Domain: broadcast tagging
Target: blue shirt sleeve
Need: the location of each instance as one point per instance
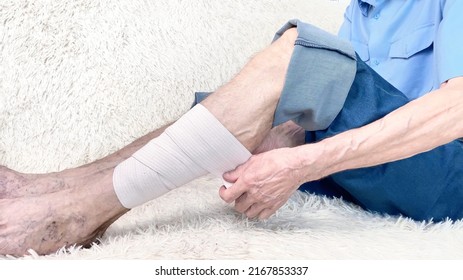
(449, 42)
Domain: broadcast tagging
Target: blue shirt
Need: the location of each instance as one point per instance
(414, 44)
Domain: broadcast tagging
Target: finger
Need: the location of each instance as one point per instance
(221, 193)
(243, 203)
(233, 175)
(255, 210)
(266, 213)
(3, 247)
(232, 193)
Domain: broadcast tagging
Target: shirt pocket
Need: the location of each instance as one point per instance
(414, 42)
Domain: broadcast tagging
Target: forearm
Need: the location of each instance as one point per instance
(419, 126)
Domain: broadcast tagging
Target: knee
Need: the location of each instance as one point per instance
(289, 37)
(290, 34)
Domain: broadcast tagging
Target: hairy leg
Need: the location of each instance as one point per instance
(16, 185)
(254, 93)
(82, 203)
(49, 221)
(45, 212)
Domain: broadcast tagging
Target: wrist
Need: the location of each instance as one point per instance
(321, 159)
(311, 162)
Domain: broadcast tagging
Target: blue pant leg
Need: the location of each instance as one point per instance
(425, 186)
(325, 186)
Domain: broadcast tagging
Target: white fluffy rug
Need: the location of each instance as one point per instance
(81, 78)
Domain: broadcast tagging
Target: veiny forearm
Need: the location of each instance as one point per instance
(419, 126)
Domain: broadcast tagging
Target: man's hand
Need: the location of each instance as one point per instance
(264, 183)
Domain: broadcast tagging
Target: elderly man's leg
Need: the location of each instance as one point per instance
(246, 105)
(303, 76)
(283, 82)
(84, 203)
(14, 184)
(48, 211)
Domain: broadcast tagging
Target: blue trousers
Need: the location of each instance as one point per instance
(424, 187)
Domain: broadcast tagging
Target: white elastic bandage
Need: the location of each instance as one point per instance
(194, 145)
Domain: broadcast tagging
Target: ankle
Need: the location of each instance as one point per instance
(96, 188)
(105, 188)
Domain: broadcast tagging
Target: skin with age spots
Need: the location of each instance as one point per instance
(14, 184)
(76, 215)
(53, 228)
(49, 211)
(81, 209)
(41, 222)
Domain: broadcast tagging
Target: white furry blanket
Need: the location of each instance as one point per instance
(81, 78)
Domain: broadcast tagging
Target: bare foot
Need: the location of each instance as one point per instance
(78, 214)
(46, 212)
(285, 135)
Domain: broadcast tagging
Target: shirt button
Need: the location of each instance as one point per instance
(376, 16)
(376, 62)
